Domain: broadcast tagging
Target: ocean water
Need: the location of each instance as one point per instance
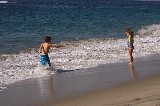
(24, 24)
(92, 32)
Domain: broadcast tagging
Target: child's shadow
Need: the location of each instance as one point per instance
(62, 71)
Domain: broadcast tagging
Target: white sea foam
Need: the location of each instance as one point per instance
(17, 67)
(78, 55)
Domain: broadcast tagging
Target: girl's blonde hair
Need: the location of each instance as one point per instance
(129, 31)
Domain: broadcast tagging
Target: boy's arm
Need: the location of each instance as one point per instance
(57, 45)
(40, 49)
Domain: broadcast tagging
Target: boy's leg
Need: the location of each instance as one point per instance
(49, 63)
(48, 60)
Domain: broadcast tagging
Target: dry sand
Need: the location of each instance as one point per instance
(141, 93)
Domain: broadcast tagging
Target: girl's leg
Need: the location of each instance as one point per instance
(130, 51)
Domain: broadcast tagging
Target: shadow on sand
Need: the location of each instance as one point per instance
(62, 71)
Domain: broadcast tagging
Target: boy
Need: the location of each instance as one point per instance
(44, 50)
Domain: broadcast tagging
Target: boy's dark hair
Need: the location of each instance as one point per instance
(47, 39)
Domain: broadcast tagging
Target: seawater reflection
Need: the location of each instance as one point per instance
(133, 73)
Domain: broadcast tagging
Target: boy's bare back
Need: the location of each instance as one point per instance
(44, 48)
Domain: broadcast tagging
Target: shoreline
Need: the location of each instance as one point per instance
(78, 56)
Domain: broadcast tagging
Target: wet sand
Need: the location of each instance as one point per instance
(107, 85)
(141, 93)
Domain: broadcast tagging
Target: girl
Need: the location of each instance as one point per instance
(130, 42)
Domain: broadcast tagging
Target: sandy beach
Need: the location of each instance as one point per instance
(141, 93)
(118, 84)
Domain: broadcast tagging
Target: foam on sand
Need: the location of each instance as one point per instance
(78, 55)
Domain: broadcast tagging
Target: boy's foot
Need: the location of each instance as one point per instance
(130, 62)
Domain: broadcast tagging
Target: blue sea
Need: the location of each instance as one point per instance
(92, 31)
(24, 23)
